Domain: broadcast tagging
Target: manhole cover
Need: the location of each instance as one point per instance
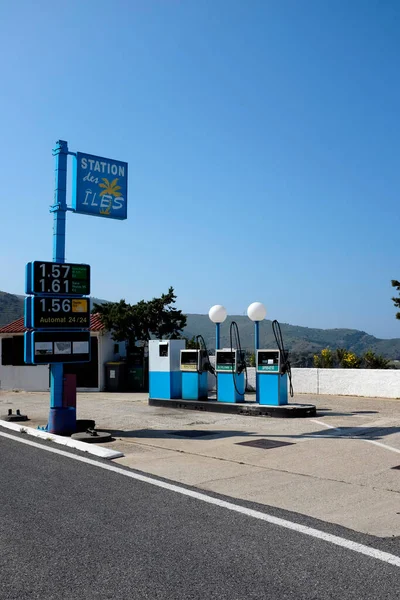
(193, 434)
(266, 444)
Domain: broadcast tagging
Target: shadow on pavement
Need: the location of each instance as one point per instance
(370, 433)
(178, 434)
(327, 412)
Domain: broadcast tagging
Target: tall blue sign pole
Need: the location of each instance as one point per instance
(58, 325)
(59, 210)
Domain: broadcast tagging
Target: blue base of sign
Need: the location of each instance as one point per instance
(62, 421)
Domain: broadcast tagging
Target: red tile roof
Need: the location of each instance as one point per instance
(18, 325)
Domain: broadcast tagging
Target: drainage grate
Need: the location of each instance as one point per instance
(193, 433)
(265, 444)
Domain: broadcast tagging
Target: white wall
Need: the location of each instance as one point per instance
(29, 379)
(306, 381)
(36, 378)
(375, 383)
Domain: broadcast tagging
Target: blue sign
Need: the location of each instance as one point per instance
(44, 348)
(100, 186)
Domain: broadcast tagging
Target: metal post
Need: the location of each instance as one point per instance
(59, 210)
(256, 335)
(217, 336)
(256, 347)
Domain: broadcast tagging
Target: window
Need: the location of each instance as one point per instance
(12, 351)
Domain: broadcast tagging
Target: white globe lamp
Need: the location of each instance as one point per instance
(257, 311)
(217, 313)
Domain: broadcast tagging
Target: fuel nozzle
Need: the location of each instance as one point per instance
(241, 366)
(209, 367)
(285, 366)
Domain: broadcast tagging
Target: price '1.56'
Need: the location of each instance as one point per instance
(56, 305)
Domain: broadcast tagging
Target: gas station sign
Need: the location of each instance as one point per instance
(45, 347)
(57, 315)
(55, 312)
(100, 186)
(57, 278)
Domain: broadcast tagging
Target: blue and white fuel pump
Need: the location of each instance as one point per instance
(194, 369)
(230, 363)
(271, 380)
(165, 378)
(273, 372)
(229, 367)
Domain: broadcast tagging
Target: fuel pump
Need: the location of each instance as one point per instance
(194, 374)
(273, 372)
(230, 367)
(165, 379)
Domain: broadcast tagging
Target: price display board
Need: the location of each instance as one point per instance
(57, 278)
(42, 347)
(55, 312)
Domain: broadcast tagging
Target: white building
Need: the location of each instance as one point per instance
(16, 375)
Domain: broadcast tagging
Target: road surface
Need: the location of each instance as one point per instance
(72, 529)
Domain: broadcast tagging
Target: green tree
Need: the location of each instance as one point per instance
(375, 361)
(396, 301)
(131, 323)
(191, 344)
(340, 354)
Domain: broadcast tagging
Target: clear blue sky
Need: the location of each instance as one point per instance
(262, 139)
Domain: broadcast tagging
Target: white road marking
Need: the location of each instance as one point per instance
(385, 446)
(322, 423)
(346, 435)
(391, 559)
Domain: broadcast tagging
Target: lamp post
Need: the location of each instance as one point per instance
(217, 315)
(256, 312)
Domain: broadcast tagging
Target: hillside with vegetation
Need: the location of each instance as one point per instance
(11, 308)
(302, 342)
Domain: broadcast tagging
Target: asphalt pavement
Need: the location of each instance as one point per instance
(73, 530)
(340, 468)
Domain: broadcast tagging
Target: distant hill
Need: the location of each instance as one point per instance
(12, 307)
(301, 341)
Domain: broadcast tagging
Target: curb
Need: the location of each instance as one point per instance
(64, 441)
(285, 411)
